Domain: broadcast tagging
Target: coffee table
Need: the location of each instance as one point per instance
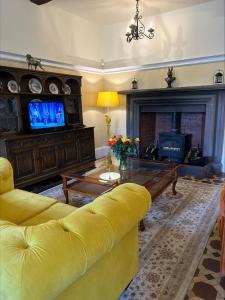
(155, 176)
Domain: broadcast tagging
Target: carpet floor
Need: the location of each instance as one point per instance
(177, 230)
(208, 283)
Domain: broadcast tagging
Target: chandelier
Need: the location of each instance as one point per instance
(137, 29)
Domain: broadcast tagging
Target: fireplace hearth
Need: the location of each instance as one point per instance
(198, 118)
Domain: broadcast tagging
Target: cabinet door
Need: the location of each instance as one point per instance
(47, 157)
(23, 161)
(68, 152)
(86, 145)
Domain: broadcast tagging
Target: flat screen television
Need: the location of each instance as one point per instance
(46, 115)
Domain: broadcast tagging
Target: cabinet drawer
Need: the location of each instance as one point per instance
(18, 144)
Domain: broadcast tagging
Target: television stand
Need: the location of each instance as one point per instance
(39, 156)
(36, 157)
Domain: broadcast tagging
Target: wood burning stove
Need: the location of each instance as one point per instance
(173, 146)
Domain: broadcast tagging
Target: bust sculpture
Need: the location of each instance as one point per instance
(170, 78)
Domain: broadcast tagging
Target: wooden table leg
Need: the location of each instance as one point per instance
(142, 225)
(65, 191)
(174, 183)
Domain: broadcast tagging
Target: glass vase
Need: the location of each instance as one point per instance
(123, 163)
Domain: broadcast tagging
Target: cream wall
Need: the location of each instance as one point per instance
(196, 31)
(48, 32)
(54, 34)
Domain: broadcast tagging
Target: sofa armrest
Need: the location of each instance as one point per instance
(6, 176)
(39, 262)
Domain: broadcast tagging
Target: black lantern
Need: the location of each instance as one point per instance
(134, 84)
(218, 77)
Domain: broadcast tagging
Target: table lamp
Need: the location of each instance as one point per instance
(108, 99)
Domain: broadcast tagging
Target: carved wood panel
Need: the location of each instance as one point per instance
(24, 164)
(47, 158)
(86, 146)
(68, 153)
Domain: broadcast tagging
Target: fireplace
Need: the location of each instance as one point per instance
(174, 146)
(199, 118)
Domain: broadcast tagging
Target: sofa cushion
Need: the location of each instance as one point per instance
(38, 262)
(54, 212)
(6, 176)
(5, 223)
(17, 206)
(105, 221)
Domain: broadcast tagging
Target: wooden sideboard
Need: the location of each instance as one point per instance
(38, 157)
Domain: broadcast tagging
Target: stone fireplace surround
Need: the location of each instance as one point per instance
(209, 100)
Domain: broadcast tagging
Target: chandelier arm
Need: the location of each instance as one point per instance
(137, 30)
(147, 36)
(143, 26)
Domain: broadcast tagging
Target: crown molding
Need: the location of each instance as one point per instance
(175, 63)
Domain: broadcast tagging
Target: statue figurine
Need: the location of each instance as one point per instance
(170, 78)
(32, 61)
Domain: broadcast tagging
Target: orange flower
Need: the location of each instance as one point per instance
(111, 141)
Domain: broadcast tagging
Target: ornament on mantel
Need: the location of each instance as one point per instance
(134, 84)
(170, 78)
(218, 77)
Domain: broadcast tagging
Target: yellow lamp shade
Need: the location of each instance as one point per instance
(108, 99)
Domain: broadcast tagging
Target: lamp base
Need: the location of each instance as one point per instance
(110, 176)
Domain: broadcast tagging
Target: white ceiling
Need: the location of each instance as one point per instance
(115, 11)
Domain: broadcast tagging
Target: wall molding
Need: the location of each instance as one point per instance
(101, 152)
(175, 63)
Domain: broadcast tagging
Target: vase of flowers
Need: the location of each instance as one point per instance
(122, 147)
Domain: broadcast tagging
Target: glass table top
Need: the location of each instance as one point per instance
(139, 171)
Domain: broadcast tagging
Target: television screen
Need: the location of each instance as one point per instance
(46, 114)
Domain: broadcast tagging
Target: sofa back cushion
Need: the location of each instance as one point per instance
(6, 176)
(17, 206)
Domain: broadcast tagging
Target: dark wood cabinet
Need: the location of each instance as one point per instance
(68, 152)
(23, 161)
(38, 156)
(12, 105)
(47, 158)
(85, 153)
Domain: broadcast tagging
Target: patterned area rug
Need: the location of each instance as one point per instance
(208, 283)
(177, 230)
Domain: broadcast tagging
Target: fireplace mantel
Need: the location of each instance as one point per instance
(208, 99)
(216, 87)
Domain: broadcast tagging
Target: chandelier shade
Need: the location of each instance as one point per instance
(137, 29)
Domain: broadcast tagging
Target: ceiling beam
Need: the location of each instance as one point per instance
(40, 2)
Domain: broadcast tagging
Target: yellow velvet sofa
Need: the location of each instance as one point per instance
(50, 250)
